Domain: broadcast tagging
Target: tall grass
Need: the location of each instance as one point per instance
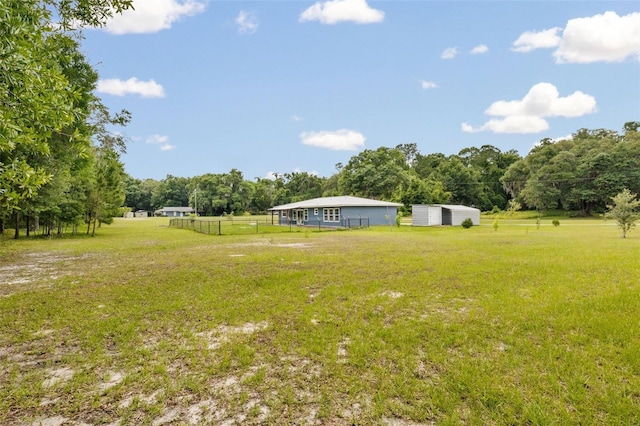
(146, 324)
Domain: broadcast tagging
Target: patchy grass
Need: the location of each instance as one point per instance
(399, 326)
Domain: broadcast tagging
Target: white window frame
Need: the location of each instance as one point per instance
(284, 213)
(331, 214)
(315, 211)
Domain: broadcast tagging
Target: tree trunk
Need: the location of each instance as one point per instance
(16, 235)
(28, 219)
(1, 226)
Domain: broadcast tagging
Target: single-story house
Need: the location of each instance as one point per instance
(443, 214)
(175, 211)
(343, 211)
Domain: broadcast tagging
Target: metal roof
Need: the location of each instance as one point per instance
(176, 209)
(456, 207)
(342, 201)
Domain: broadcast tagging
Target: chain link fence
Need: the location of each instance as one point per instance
(246, 226)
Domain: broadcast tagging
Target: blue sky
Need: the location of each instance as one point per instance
(284, 86)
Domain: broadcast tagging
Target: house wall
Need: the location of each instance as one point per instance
(376, 216)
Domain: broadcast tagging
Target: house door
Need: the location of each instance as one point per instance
(299, 217)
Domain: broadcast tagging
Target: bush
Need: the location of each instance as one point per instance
(555, 222)
(467, 223)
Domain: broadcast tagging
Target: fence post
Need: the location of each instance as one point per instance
(220, 227)
(257, 226)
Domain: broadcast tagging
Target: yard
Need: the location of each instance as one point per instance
(146, 324)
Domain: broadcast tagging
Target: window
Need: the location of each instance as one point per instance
(306, 215)
(284, 213)
(331, 215)
(315, 211)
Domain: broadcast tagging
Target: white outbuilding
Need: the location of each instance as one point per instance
(443, 214)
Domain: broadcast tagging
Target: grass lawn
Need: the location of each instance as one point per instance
(146, 324)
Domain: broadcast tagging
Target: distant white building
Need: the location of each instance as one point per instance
(175, 211)
(443, 214)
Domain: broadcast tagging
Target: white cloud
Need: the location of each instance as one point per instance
(605, 37)
(151, 16)
(335, 11)
(532, 40)
(247, 22)
(600, 38)
(427, 84)
(562, 138)
(296, 118)
(513, 124)
(479, 49)
(161, 140)
(449, 53)
(339, 140)
(132, 86)
(528, 115)
(299, 170)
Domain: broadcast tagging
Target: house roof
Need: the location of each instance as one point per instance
(342, 201)
(451, 207)
(176, 209)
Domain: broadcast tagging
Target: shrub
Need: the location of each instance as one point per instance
(399, 219)
(467, 223)
(555, 222)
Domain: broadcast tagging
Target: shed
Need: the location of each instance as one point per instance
(343, 211)
(174, 211)
(443, 214)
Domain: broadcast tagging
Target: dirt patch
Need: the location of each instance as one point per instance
(400, 422)
(393, 294)
(35, 270)
(224, 333)
(57, 376)
(114, 379)
(342, 350)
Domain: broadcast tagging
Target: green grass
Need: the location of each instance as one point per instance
(384, 325)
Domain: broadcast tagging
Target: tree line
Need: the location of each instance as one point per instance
(59, 164)
(579, 174)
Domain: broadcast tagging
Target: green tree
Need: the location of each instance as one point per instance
(462, 182)
(171, 191)
(374, 173)
(417, 191)
(41, 95)
(625, 211)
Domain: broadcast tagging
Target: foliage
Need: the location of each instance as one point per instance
(467, 223)
(581, 173)
(374, 173)
(625, 210)
(46, 99)
(399, 219)
(555, 222)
